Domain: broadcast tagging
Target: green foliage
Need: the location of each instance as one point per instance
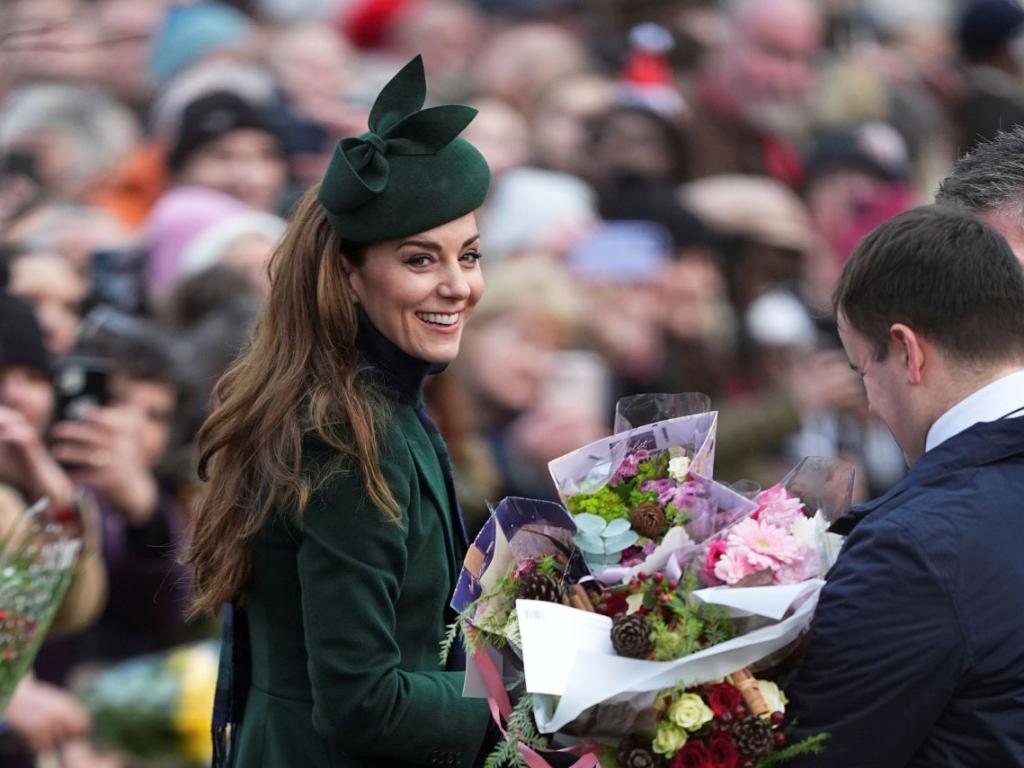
(451, 634)
(548, 566)
(606, 503)
(654, 468)
(812, 745)
(675, 515)
(520, 730)
(638, 497)
(682, 625)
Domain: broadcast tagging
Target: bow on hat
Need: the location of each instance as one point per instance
(359, 170)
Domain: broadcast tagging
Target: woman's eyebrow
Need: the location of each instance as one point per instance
(432, 245)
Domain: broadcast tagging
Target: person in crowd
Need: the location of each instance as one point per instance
(330, 506)
(856, 179)
(73, 135)
(532, 312)
(638, 141)
(226, 143)
(989, 182)
(560, 208)
(914, 658)
(55, 289)
(117, 451)
(752, 96)
(993, 101)
(523, 61)
(559, 126)
(41, 715)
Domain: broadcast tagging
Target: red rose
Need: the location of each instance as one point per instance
(723, 752)
(692, 755)
(723, 698)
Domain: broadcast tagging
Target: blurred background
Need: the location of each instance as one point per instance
(677, 184)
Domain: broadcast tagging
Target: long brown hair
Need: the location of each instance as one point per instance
(299, 373)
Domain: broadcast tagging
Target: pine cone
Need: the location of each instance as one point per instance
(631, 636)
(537, 586)
(648, 520)
(635, 752)
(753, 737)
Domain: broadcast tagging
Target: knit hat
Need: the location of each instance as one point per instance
(21, 338)
(211, 116)
(410, 172)
(189, 31)
(988, 25)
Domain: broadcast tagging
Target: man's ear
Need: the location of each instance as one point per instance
(911, 349)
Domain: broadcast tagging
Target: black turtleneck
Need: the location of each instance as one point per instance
(394, 370)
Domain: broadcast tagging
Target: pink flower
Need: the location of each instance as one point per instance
(777, 507)
(711, 557)
(736, 564)
(769, 546)
(803, 568)
(666, 489)
(629, 466)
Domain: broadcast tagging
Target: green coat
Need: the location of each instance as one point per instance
(345, 615)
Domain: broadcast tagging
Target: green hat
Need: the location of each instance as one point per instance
(410, 172)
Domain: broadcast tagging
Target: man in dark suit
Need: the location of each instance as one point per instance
(916, 654)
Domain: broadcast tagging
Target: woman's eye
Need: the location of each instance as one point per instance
(420, 260)
(472, 256)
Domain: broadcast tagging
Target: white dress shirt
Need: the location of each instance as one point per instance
(1003, 398)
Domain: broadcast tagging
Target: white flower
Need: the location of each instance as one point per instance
(805, 531)
(668, 739)
(678, 468)
(690, 712)
(773, 696)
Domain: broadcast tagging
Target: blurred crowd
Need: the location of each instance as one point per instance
(677, 184)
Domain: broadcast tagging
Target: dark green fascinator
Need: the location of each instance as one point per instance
(410, 172)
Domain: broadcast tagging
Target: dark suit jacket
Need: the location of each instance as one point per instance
(345, 617)
(916, 653)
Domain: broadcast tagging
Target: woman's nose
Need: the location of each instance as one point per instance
(454, 284)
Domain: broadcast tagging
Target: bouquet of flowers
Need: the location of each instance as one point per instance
(157, 707)
(637, 496)
(783, 541)
(38, 552)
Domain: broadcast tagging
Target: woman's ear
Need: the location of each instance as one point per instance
(352, 277)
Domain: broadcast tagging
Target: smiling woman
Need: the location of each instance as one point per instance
(329, 521)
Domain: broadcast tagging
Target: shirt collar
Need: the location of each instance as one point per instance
(997, 400)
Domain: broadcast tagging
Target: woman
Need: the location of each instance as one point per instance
(329, 517)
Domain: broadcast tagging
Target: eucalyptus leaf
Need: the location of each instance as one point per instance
(589, 524)
(616, 528)
(590, 544)
(626, 539)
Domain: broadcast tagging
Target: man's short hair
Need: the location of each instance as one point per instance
(989, 178)
(944, 273)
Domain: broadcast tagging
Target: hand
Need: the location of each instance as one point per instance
(45, 716)
(25, 463)
(105, 446)
(543, 434)
(824, 380)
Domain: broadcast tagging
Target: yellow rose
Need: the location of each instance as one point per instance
(690, 712)
(773, 696)
(669, 739)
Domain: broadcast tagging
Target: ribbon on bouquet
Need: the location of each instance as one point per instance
(501, 710)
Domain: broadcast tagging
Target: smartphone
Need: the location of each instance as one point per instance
(82, 382)
(622, 251)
